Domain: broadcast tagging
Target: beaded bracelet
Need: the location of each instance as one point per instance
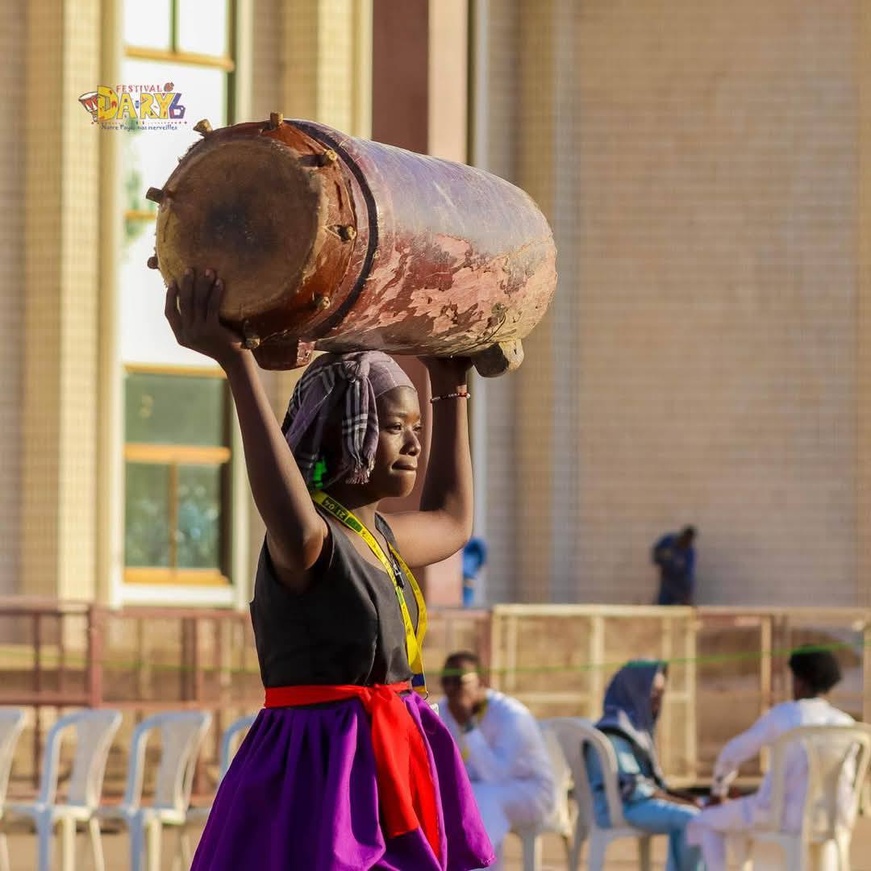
(464, 395)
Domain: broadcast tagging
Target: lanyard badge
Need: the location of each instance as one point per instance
(413, 640)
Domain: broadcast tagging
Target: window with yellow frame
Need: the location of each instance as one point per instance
(177, 476)
(177, 420)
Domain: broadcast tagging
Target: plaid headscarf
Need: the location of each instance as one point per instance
(340, 387)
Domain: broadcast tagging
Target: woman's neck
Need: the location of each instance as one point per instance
(355, 499)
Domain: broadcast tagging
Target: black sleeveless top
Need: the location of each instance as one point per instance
(345, 628)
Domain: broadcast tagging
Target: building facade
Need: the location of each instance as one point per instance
(704, 168)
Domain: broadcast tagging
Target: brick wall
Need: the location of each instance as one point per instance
(713, 290)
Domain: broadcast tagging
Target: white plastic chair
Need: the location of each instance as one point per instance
(573, 734)
(232, 738)
(560, 821)
(181, 736)
(837, 760)
(94, 730)
(11, 724)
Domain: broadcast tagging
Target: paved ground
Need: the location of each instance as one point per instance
(622, 857)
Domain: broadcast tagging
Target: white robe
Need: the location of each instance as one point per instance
(709, 829)
(508, 764)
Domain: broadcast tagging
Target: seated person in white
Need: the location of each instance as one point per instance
(814, 673)
(502, 746)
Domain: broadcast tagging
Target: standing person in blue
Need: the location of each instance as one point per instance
(633, 702)
(474, 560)
(347, 767)
(675, 555)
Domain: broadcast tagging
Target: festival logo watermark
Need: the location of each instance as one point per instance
(135, 107)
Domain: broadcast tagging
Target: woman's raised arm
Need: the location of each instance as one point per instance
(295, 531)
(444, 522)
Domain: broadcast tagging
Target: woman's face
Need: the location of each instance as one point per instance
(399, 429)
(657, 691)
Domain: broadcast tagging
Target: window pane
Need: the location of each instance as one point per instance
(146, 539)
(199, 517)
(175, 410)
(145, 336)
(149, 156)
(147, 27)
(202, 26)
(153, 151)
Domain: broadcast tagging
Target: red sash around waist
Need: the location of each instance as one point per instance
(405, 784)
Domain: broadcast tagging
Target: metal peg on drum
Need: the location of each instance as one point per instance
(152, 262)
(250, 339)
(156, 195)
(276, 119)
(203, 127)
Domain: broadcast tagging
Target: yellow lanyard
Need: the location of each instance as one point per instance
(413, 641)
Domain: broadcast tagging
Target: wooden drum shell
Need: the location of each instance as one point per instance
(406, 253)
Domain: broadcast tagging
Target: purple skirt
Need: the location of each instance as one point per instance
(301, 795)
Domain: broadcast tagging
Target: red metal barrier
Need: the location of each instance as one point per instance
(142, 660)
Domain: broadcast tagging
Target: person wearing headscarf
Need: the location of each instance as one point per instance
(347, 767)
(632, 704)
(814, 673)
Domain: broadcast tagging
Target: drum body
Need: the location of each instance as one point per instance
(334, 243)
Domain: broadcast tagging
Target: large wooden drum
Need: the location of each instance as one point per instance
(334, 243)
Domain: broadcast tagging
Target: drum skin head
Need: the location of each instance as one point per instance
(249, 210)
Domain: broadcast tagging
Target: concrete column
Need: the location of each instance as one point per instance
(400, 73)
(62, 250)
(12, 342)
(534, 381)
(326, 62)
(863, 311)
